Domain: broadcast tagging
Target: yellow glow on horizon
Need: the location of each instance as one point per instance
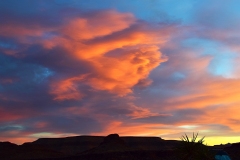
(221, 140)
(210, 141)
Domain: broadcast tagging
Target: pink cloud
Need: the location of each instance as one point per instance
(41, 124)
(9, 116)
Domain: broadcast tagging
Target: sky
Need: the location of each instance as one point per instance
(133, 67)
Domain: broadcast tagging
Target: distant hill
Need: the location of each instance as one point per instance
(96, 148)
(77, 144)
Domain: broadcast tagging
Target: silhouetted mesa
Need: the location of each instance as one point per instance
(111, 143)
(70, 145)
(98, 148)
(113, 139)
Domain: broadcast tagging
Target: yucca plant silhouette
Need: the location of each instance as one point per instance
(193, 149)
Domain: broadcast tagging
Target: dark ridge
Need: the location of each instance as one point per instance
(7, 145)
(70, 145)
(111, 147)
(235, 145)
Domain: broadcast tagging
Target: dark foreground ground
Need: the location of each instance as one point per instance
(100, 148)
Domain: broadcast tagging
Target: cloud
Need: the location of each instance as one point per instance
(110, 48)
(113, 49)
(68, 72)
(82, 68)
(97, 25)
(138, 112)
(190, 93)
(124, 129)
(109, 42)
(9, 116)
(67, 89)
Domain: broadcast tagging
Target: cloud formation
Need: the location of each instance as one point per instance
(116, 43)
(108, 41)
(103, 52)
(67, 70)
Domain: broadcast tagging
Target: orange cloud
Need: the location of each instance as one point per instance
(119, 74)
(138, 112)
(99, 24)
(121, 51)
(67, 89)
(218, 97)
(130, 129)
(138, 129)
(208, 92)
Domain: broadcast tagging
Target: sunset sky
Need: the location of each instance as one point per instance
(133, 67)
